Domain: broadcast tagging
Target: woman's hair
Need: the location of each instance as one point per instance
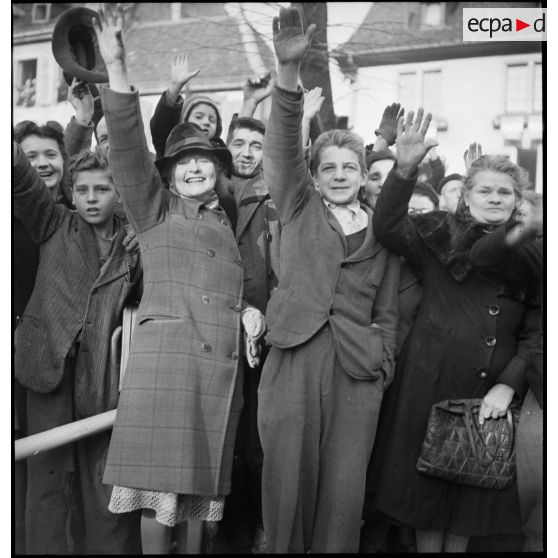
(86, 161)
(51, 130)
(337, 138)
(495, 163)
(498, 163)
(426, 190)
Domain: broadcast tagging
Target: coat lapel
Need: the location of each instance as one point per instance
(85, 240)
(246, 212)
(370, 246)
(119, 262)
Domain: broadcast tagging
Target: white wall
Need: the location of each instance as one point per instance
(473, 94)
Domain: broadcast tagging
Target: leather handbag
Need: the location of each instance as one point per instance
(458, 449)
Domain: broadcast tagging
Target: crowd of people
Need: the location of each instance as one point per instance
(302, 303)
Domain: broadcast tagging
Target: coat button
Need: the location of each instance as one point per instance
(205, 299)
(490, 341)
(237, 308)
(493, 309)
(206, 347)
(211, 253)
(482, 373)
(200, 216)
(239, 263)
(234, 356)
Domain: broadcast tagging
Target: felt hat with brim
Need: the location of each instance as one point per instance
(187, 137)
(75, 48)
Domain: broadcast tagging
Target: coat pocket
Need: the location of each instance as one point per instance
(279, 298)
(158, 318)
(362, 354)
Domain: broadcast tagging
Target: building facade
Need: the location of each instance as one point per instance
(213, 36)
(413, 53)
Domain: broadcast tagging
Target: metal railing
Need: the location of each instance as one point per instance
(74, 431)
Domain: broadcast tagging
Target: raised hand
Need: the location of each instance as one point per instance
(81, 99)
(180, 74)
(313, 101)
(130, 241)
(388, 125)
(289, 41)
(257, 88)
(471, 155)
(109, 30)
(411, 144)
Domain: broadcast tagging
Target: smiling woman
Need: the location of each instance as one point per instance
(44, 147)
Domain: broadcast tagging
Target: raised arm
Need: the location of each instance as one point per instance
(134, 173)
(79, 130)
(32, 202)
(168, 109)
(392, 225)
(386, 133)
(313, 101)
(284, 166)
(255, 90)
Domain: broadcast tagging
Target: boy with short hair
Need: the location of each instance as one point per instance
(63, 354)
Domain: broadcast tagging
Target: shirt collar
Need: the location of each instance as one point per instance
(354, 207)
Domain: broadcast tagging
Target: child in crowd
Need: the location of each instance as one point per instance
(332, 325)
(62, 353)
(172, 109)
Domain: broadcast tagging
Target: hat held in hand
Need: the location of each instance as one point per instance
(75, 48)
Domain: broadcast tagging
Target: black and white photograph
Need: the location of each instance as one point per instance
(278, 278)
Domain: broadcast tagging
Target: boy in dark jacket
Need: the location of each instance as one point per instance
(63, 354)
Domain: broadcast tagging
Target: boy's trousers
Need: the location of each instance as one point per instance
(67, 504)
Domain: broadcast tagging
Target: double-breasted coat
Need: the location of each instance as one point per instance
(182, 392)
(73, 295)
(471, 332)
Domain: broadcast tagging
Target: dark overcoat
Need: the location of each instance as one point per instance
(472, 331)
(178, 408)
(258, 234)
(72, 295)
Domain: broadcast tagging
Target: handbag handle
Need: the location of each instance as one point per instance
(470, 418)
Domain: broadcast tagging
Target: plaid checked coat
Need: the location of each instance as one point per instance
(182, 393)
(71, 294)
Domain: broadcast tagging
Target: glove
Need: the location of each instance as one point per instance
(388, 125)
(253, 322)
(253, 350)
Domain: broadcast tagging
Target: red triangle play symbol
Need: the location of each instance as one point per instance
(519, 25)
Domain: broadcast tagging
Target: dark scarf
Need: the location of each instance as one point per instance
(451, 237)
